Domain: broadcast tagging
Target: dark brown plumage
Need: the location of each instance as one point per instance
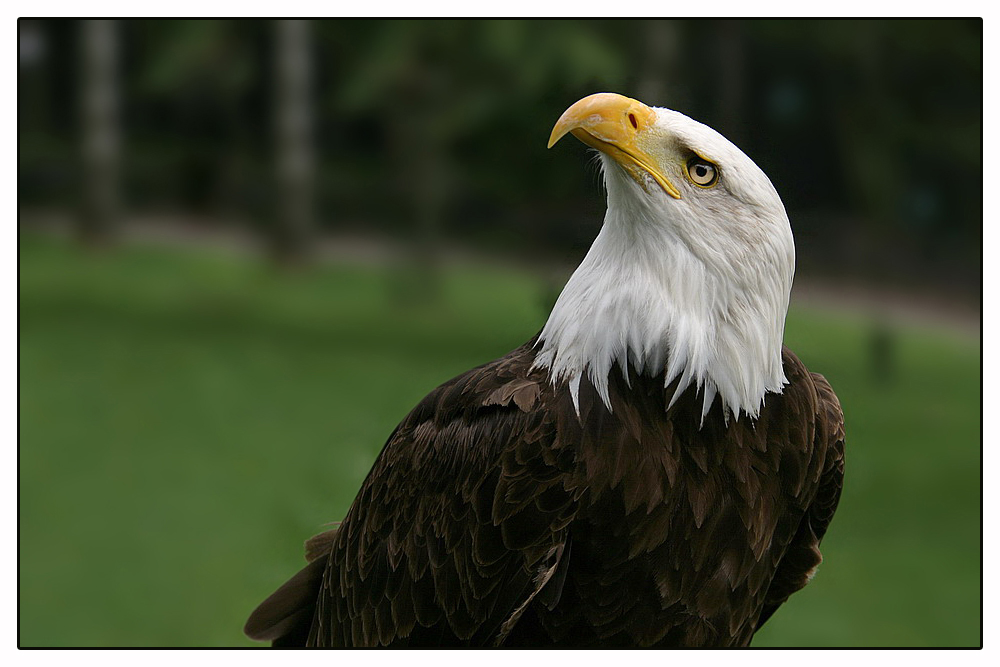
(572, 493)
(495, 516)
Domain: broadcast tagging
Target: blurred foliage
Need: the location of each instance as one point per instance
(434, 84)
(187, 419)
(870, 129)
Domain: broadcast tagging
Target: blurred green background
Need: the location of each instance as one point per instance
(248, 248)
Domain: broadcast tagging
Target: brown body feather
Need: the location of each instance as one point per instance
(495, 515)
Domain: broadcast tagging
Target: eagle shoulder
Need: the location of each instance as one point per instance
(461, 522)
(802, 557)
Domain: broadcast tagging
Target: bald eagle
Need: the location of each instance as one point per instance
(653, 468)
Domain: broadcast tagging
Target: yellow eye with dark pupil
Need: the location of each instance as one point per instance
(702, 172)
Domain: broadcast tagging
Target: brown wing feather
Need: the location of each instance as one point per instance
(803, 556)
(285, 616)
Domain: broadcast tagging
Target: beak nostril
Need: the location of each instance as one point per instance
(635, 121)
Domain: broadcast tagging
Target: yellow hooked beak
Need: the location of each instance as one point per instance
(618, 126)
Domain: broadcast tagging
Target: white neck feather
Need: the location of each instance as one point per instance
(677, 299)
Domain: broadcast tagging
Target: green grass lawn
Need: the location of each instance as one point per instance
(188, 419)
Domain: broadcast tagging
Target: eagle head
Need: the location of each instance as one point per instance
(690, 274)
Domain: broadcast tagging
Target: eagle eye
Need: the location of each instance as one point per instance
(702, 172)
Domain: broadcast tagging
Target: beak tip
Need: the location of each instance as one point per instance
(557, 134)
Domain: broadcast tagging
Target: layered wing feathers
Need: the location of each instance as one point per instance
(459, 525)
(496, 514)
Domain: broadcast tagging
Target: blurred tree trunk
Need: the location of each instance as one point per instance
(732, 73)
(294, 223)
(421, 145)
(100, 200)
(657, 78)
(429, 195)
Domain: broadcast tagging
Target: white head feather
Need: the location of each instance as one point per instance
(695, 287)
